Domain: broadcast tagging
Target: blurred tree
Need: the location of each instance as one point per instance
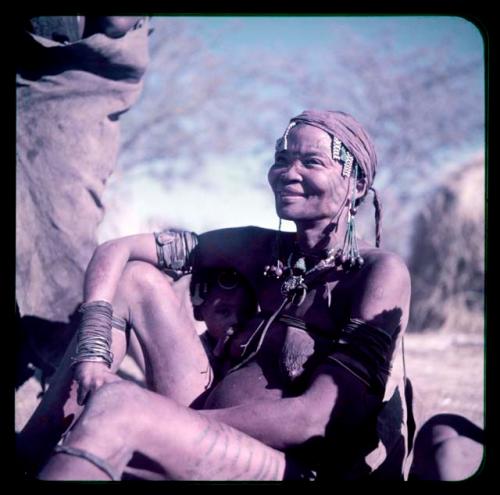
(195, 103)
(418, 104)
(423, 106)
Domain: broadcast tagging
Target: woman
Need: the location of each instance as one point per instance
(307, 382)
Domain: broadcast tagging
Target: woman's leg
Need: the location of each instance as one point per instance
(177, 363)
(57, 410)
(122, 418)
(448, 447)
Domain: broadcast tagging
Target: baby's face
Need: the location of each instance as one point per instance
(223, 309)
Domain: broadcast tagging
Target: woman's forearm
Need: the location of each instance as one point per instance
(104, 271)
(109, 260)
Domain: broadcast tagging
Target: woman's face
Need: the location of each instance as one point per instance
(306, 181)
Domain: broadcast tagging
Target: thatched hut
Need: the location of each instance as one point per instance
(447, 254)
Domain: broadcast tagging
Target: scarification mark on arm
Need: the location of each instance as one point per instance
(268, 467)
(212, 442)
(272, 467)
(238, 440)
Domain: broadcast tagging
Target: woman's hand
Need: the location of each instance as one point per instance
(90, 376)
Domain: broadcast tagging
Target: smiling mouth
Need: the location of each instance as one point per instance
(290, 194)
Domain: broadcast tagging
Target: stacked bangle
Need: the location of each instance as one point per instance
(94, 333)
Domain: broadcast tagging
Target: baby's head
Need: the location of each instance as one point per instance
(223, 299)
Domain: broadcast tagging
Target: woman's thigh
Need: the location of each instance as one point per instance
(160, 312)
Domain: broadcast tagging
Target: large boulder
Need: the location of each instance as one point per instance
(69, 98)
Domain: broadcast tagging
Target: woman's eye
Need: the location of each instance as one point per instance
(312, 163)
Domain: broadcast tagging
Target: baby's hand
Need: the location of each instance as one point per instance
(90, 376)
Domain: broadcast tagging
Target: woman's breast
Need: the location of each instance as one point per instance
(245, 384)
(271, 372)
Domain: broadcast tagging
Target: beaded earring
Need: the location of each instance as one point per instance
(276, 270)
(349, 256)
(198, 299)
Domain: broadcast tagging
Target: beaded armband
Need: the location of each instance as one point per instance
(364, 350)
(175, 250)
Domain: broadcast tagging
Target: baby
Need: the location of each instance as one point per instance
(224, 300)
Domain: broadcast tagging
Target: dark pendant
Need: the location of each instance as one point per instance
(295, 289)
(299, 295)
(291, 284)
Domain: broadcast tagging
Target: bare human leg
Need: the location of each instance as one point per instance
(448, 447)
(122, 418)
(57, 410)
(161, 316)
(177, 363)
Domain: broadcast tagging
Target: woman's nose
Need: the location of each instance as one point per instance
(291, 172)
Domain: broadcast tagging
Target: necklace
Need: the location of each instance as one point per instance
(295, 287)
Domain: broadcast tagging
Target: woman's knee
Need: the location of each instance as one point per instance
(108, 426)
(139, 281)
(112, 405)
(143, 275)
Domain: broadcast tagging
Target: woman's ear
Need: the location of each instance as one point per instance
(361, 187)
(361, 190)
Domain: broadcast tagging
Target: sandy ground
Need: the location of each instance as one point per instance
(447, 371)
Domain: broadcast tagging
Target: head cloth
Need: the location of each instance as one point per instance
(350, 132)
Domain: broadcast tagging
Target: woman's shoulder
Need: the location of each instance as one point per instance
(243, 248)
(381, 290)
(384, 263)
(246, 234)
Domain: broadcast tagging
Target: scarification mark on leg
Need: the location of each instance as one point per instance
(262, 466)
(246, 468)
(238, 441)
(225, 432)
(276, 476)
(202, 436)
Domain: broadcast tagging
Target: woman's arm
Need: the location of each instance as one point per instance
(336, 399)
(109, 260)
(381, 295)
(333, 400)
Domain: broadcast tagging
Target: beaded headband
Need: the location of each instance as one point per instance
(339, 151)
